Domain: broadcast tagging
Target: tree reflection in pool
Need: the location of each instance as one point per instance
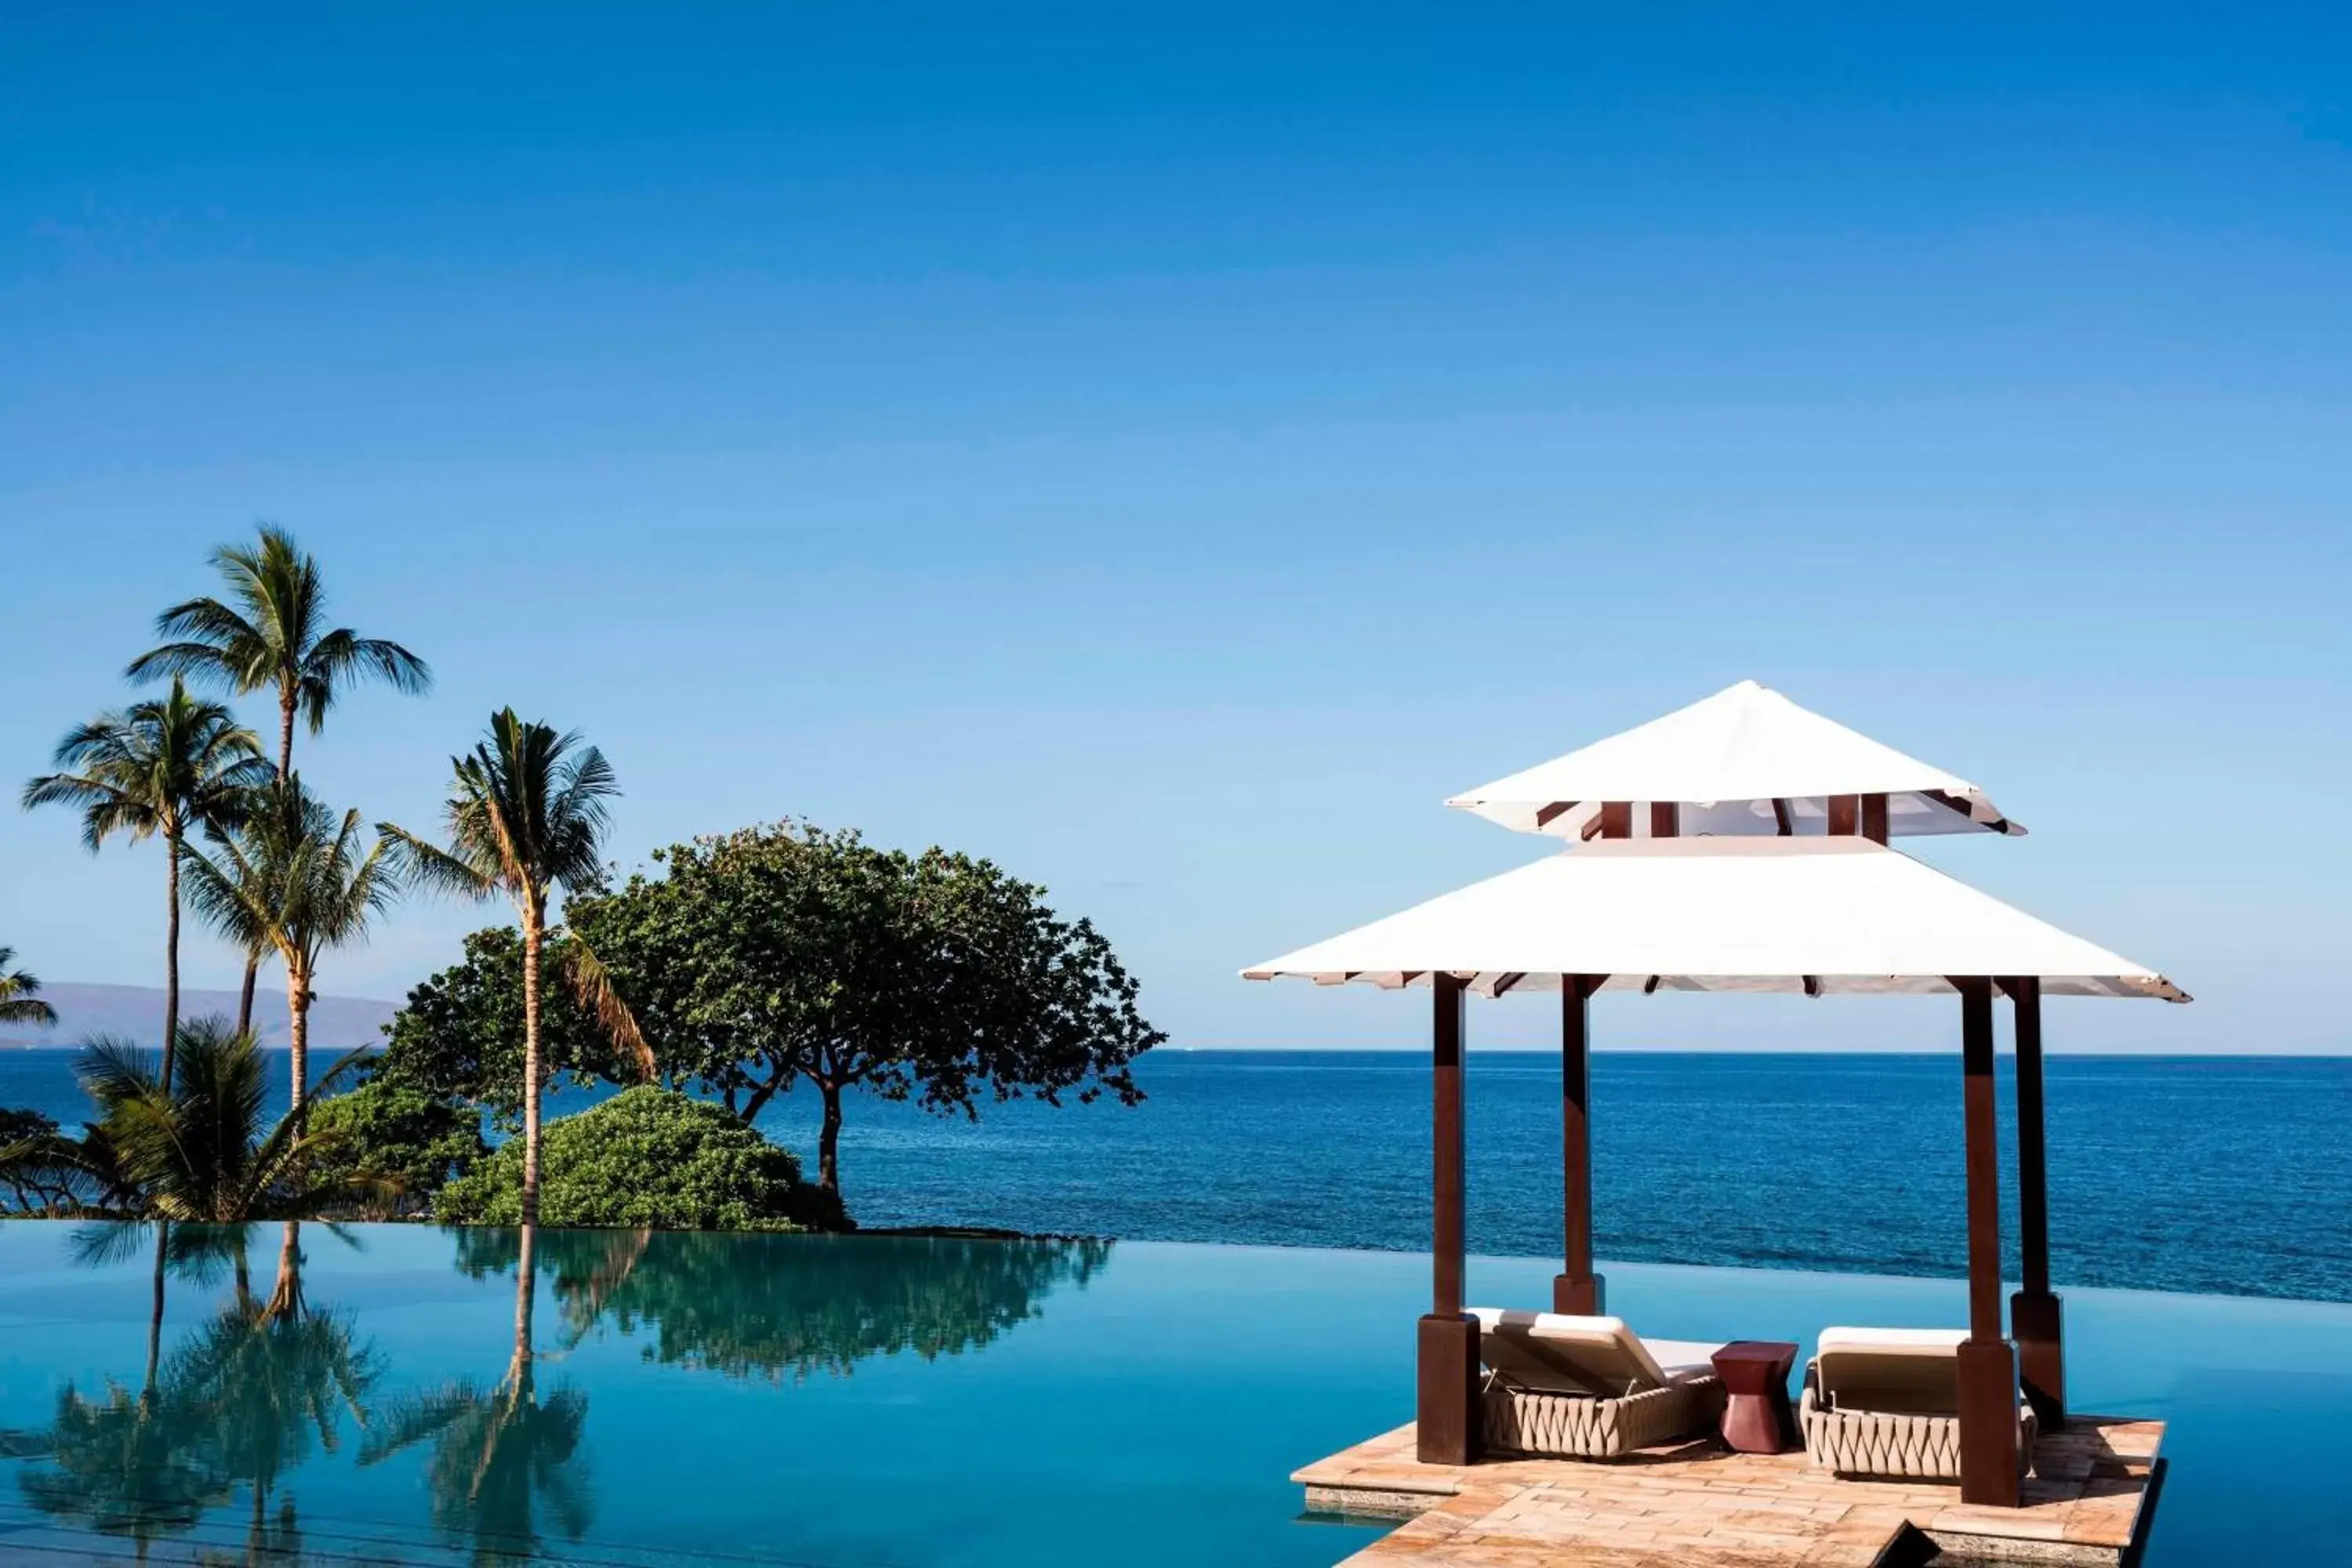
(254, 1385)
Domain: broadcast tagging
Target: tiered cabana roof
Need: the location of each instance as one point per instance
(1826, 917)
(1746, 760)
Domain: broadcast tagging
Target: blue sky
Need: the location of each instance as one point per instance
(1169, 453)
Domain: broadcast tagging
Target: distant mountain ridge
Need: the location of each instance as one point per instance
(135, 1012)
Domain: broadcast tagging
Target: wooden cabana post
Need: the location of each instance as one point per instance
(1446, 1403)
(2035, 1316)
(1988, 1362)
(1576, 1289)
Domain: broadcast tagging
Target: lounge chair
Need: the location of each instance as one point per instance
(1587, 1388)
(1886, 1402)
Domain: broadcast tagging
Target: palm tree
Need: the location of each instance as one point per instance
(527, 815)
(294, 879)
(199, 1151)
(271, 633)
(160, 768)
(20, 995)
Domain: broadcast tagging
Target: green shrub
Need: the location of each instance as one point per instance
(416, 1140)
(647, 1157)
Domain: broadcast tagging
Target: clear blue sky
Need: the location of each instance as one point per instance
(1170, 453)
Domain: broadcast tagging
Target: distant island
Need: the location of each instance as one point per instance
(136, 1012)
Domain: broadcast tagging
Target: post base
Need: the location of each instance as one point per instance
(1445, 1407)
(1579, 1295)
(1989, 1461)
(2037, 1319)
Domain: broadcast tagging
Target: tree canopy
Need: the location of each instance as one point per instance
(786, 953)
(461, 1033)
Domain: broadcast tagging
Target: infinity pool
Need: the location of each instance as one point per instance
(899, 1402)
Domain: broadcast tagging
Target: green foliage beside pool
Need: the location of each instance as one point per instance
(415, 1141)
(648, 1157)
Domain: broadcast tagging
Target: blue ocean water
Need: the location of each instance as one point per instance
(892, 1402)
(2226, 1176)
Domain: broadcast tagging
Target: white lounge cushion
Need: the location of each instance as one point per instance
(1897, 1371)
(1597, 1355)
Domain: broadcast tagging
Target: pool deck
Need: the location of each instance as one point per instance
(1698, 1505)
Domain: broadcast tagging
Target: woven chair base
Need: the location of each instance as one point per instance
(1549, 1426)
(1883, 1444)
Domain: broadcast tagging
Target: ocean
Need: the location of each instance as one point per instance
(2226, 1176)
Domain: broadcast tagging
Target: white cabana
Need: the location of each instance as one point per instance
(1746, 760)
(1823, 916)
(1838, 914)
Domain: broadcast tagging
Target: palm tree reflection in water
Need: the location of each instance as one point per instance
(262, 1386)
(497, 1453)
(240, 1403)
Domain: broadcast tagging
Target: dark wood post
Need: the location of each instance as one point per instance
(2034, 1313)
(1988, 1366)
(1616, 819)
(1665, 819)
(1873, 818)
(1845, 816)
(1447, 1404)
(1576, 1289)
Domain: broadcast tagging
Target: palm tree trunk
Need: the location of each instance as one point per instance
(172, 961)
(284, 730)
(298, 1024)
(526, 1297)
(245, 997)
(285, 766)
(532, 936)
(285, 1296)
(156, 1320)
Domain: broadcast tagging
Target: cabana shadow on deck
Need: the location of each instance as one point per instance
(1695, 1504)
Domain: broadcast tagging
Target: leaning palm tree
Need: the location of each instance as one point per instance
(20, 995)
(271, 633)
(164, 769)
(294, 879)
(526, 814)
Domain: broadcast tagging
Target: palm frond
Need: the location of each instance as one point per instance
(417, 861)
(591, 985)
(111, 1071)
(232, 898)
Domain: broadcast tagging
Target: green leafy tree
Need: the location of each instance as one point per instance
(526, 815)
(787, 953)
(20, 997)
(163, 768)
(295, 879)
(271, 634)
(461, 1033)
(33, 1185)
(648, 1157)
(405, 1140)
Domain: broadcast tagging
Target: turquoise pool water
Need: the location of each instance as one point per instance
(903, 1403)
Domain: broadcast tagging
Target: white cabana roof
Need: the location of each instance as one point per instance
(1828, 915)
(1726, 759)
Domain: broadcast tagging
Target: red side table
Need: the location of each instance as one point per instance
(1755, 1373)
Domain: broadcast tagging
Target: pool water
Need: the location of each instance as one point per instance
(883, 1402)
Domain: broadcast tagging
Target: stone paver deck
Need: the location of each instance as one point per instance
(1698, 1505)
